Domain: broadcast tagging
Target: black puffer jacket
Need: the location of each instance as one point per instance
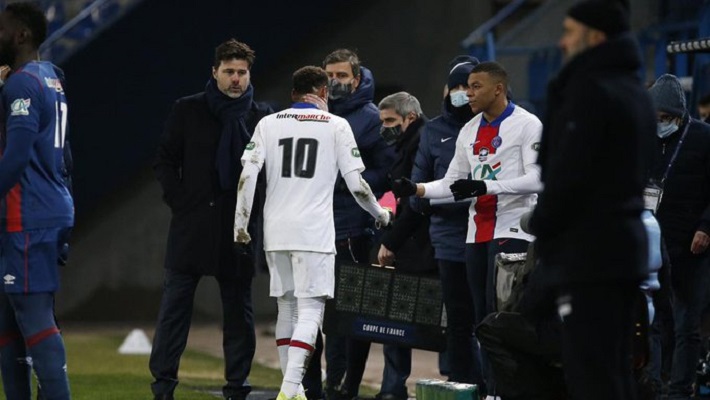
(685, 207)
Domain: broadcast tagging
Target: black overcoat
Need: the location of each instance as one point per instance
(200, 238)
(595, 155)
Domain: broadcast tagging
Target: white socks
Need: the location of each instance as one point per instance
(302, 322)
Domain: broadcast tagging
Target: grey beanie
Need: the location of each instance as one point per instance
(668, 95)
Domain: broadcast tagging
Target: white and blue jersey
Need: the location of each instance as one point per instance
(33, 190)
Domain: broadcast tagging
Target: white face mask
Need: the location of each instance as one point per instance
(459, 98)
(665, 129)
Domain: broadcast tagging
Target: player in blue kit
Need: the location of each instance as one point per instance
(36, 206)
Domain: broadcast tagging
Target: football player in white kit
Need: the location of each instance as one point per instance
(303, 149)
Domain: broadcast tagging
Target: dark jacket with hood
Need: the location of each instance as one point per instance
(437, 144)
(364, 119)
(409, 236)
(594, 159)
(685, 207)
(201, 236)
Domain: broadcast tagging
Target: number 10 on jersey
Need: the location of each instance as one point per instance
(303, 165)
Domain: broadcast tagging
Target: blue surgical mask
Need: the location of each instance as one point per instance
(459, 98)
(665, 129)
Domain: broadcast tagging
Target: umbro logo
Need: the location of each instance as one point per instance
(446, 139)
(9, 279)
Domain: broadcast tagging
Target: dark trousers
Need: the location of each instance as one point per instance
(398, 366)
(525, 359)
(464, 359)
(480, 265)
(690, 282)
(661, 336)
(597, 329)
(173, 326)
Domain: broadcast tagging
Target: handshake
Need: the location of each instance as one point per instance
(385, 220)
(461, 189)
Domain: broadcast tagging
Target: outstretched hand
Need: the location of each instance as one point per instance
(465, 188)
(403, 188)
(385, 220)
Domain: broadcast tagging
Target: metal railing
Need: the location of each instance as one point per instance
(481, 42)
(78, 31)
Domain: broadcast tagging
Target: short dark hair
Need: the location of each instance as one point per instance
(344, 55)
(493, 69)
(32, 17)
(308, 79)
(232, 49)
(705, 100)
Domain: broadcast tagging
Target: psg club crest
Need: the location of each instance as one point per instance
(496, 142)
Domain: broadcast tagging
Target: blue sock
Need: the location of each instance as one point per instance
(50, 364)
(16, 372)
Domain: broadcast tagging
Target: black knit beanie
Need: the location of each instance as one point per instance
(668, 95)
(608, 16)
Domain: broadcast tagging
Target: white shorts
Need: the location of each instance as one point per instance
(307, 273)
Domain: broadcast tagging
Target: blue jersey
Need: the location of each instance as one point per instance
(32, 187)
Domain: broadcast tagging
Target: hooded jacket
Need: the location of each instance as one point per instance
(364, 119)
(449, 222)
(685, 206)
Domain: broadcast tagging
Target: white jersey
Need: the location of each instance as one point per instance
(503, 153)
(303, 149)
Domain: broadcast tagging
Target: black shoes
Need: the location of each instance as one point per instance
(163, 397)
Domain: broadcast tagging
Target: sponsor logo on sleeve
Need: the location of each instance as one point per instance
(355, 152)
(250, 146)
(55, 84)
(20, 107)
(536, 146)
(9, 279)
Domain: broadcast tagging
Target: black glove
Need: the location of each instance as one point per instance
(465, 188)
(403, 188)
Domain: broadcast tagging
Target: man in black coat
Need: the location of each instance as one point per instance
(407, 244)
(594, 155)
(682, 170)
(198, 167)
(402, 119)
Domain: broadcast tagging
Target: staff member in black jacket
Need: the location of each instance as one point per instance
(594, 155)
(402, 122)
(198, 167)
(402, 119)
(682, 170)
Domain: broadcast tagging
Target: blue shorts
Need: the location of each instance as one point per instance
(28, 261)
